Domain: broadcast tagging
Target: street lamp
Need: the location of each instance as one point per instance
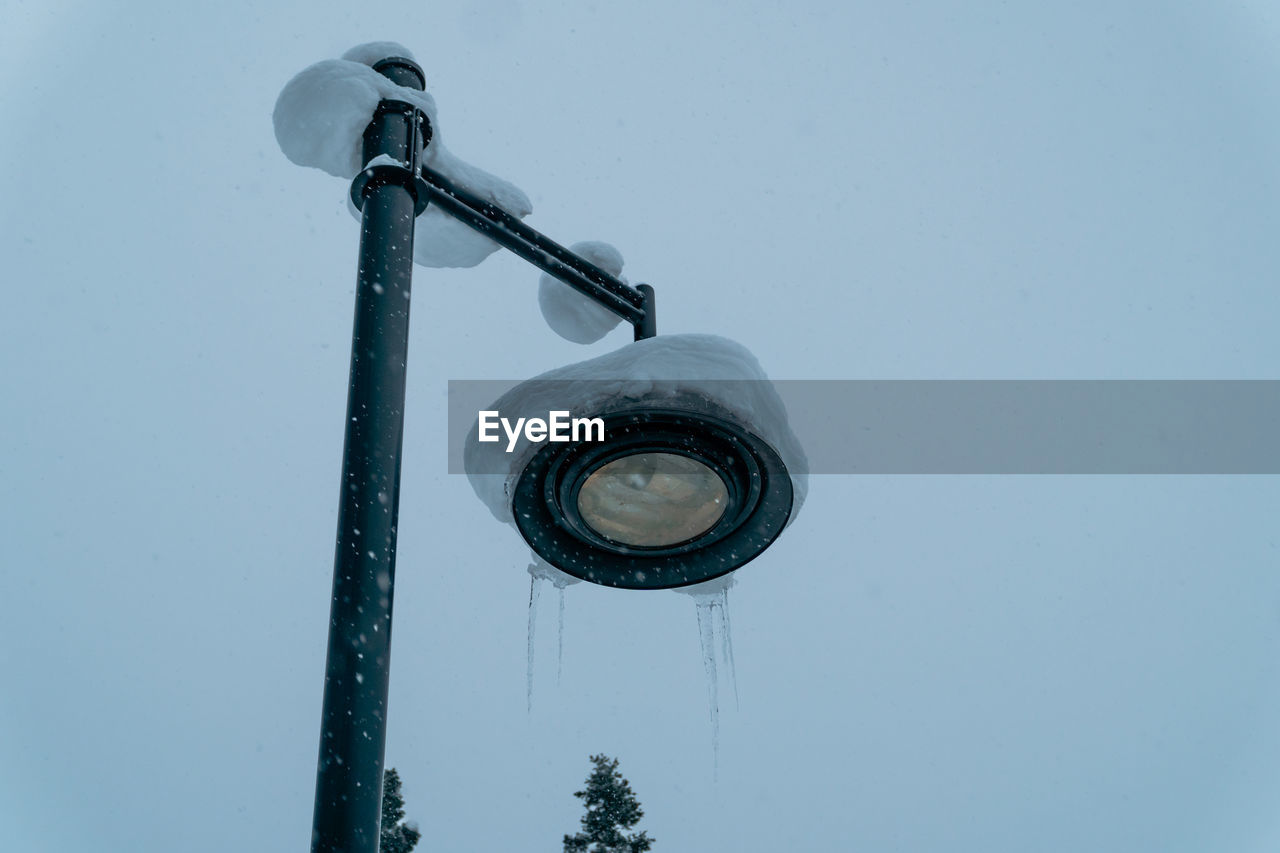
(682, 491)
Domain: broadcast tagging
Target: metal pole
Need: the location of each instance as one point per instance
(348, 805)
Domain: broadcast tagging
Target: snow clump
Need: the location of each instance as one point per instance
(320, 118)
(570, 314)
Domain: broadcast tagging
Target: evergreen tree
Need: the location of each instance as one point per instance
(611, 808)
(397, 837)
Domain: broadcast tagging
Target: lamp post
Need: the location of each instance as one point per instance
(348, 803)
(357, 664)
(740, 501)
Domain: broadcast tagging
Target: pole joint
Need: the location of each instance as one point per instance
(394, 143)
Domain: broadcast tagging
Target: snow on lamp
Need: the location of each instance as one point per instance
(698, 471)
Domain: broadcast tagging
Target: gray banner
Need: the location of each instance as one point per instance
(990, 427)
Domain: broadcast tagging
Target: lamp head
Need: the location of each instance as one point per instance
(677, 494)
(695, 470)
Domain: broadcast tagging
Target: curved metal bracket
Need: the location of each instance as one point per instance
(636, 305)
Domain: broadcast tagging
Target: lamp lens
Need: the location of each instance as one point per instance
(652, 500)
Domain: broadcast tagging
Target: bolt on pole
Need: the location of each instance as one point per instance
(348, 804)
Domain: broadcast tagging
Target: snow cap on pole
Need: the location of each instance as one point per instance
(319, 121)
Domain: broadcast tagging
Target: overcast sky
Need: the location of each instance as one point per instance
(929, 190)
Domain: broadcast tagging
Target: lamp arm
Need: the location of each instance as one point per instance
(633, 304)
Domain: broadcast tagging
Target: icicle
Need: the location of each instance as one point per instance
(560, 636)
(726, 644)
(711, 600)
(707, 636)
(539, 572)
(535, 589)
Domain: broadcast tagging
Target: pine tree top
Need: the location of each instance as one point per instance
(396, 837)
(611, 807)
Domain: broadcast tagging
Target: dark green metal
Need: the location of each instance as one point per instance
(348, 804)
(648, 325)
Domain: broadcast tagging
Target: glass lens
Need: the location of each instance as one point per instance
(652, 500)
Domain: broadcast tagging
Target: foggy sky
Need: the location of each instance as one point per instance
(936, 191)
